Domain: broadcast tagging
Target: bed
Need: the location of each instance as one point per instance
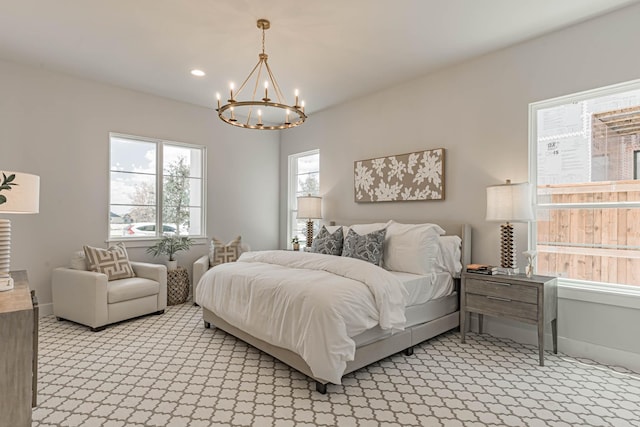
(327, 315)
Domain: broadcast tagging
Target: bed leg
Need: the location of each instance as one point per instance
(408, 351)
(321, 388)
(207, 324)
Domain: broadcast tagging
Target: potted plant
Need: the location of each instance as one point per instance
(169, 245)
(296, 243)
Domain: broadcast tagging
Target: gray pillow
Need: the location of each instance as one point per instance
(367, 248)
(327, 243)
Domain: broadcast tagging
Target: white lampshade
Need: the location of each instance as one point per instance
(23, 195)
(309, 207)
(509, 202)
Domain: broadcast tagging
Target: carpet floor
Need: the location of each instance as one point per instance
(169, 370)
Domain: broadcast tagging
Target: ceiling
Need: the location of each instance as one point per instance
(332, 50)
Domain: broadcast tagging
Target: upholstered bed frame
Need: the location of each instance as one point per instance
(377, 350)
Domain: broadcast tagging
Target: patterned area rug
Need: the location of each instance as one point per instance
(170, 371)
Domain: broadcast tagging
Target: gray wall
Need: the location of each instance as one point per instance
(57, 126)
(478, 111)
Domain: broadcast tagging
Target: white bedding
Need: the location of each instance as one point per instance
(314, 313)
(423, 288)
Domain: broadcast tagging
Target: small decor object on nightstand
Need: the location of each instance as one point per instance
(177, 286)
(170, 245)
(296, 243)
(531, 255)
(482, 269)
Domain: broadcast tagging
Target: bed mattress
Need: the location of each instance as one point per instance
(429, 297)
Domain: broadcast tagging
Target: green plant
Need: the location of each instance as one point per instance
(169, 245)
(295, 240)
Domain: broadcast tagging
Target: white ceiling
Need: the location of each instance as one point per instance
(332, 50)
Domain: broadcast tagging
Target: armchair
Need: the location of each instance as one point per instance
(88, 298)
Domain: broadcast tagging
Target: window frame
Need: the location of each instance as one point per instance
(159, 172)
(576, 288)
(292, 201)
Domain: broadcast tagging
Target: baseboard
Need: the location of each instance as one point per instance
(601, 354)
(526, 334)
(45, 309)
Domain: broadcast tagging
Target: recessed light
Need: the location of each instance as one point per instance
(198, 73)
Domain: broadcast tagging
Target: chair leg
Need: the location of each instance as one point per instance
(408, 351)
(207, 324)
(159, 312)
(99, 328)
(59, 319)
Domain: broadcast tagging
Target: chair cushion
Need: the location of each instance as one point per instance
(131, 288)
(114, 262)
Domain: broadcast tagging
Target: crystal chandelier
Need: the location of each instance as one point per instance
(261, 113)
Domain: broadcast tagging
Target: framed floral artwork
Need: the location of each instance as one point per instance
(412, 176)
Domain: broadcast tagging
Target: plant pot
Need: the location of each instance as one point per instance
(296, 246)
(172, 265)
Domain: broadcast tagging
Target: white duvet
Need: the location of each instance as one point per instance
(311, 304)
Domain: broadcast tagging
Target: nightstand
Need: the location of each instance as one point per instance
(531, 300)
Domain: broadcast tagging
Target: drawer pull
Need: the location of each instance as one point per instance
(500, 299)
(499, 283)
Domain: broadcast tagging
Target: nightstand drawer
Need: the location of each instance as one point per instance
(488, 287)
(502, 306)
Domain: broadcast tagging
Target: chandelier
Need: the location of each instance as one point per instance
(261, 113)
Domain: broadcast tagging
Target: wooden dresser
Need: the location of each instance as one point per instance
(531, 300)
(18, 352)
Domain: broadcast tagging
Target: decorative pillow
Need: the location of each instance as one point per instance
(327, 243)
(78, 261)
(367, 248)
(412, 248)
(219, 253)
(114, 262)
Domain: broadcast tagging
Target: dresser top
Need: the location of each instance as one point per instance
(522, 278)
(19, 298)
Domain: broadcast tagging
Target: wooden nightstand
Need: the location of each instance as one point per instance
(531, 300)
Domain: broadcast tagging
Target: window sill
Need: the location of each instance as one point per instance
(609, 294)
(145, 242)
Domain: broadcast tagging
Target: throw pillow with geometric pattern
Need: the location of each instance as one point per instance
(220, 253)
(327, 243)
(367, 248)
(114, 262)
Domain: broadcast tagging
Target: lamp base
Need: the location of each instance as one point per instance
(6, 284)
(309, 233)
(508, 249)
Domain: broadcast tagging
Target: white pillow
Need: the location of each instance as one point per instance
(78, 261)
(412, 248)
(448, 259)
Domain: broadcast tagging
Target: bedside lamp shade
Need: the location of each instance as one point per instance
(309, 208)
(510, 203)
(19, 194)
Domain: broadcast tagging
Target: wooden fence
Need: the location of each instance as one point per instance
(586, 241)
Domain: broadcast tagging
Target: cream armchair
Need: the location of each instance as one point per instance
(88, 298)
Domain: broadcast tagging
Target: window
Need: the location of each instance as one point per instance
(155, 185)
(584, 162)
(304, 178)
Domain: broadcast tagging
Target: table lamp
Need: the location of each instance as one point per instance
(510, 203)
(309, 208)
(19, 194)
